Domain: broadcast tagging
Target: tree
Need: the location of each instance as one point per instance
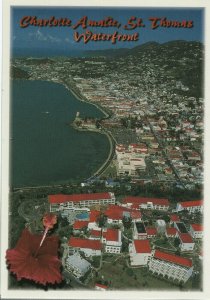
(102, 220)
(166, 218)
(125, 244)
(176, 242)
(127, 222)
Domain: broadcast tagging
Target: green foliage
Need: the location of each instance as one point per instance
(129, 272)
(101, 220)
(127, 222)
(176, 242)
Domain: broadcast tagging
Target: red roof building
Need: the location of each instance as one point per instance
(111, 234)
(80, 224)
(94, 215)
(147, 203)
(172, 266)
(197, 227)
(151, 232)
(191, 206)
(95, 233)
(88, 246)
(112, 240)
(171, 232)
(196, 231)
(186, 242)
(140, 252)
(115, 214)
(192, 203)
(174, 259)
(142, 246)
(65, 202)
(101, 287)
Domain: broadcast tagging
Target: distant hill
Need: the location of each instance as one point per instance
(107, 52)
(181, 60)
(38, 61)
(17, 73)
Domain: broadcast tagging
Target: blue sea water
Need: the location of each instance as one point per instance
(43, 148)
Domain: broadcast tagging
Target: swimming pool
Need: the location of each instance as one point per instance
(82, 216)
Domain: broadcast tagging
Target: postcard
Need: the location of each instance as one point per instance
(104, 136)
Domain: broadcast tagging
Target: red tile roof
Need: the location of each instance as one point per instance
(197, 227)
(96, 233)
(80, 224)
(84, 243)
(142, 246)
(111, 235)
(115, 212)
(171, 231)
(174, 218)
(141, 200)
(60, 198)
(151, 231)
(185, 237)
(178, 260)
(102, 286)
(135, 215)
(191, 203)
(94, 214)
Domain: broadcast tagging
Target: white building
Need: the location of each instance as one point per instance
(140, 252)
(112, 240)
(171, 266)
(186, 242)
(88, 246)
(62, 202)
(161, 226)
(190, 206)
(77, 265)
(130, 160)
(196, 231)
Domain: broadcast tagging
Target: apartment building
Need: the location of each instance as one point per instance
(171, 266)
(62, 202)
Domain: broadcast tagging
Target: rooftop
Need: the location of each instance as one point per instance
(171, 231)
(142, 200)
(186, 262)
(60, 198)
(142, 246)
(84, 243)
(197, 227)
(185, 237)
(191, 203)
(80, 224)
(77, 261)
(111, 234)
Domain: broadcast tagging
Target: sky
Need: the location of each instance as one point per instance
(54, 39)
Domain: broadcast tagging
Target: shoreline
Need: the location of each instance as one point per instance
(79, 97)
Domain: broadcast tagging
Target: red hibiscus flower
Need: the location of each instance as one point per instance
(31, 260)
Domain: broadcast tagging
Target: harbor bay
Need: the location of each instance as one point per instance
(44, 149)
